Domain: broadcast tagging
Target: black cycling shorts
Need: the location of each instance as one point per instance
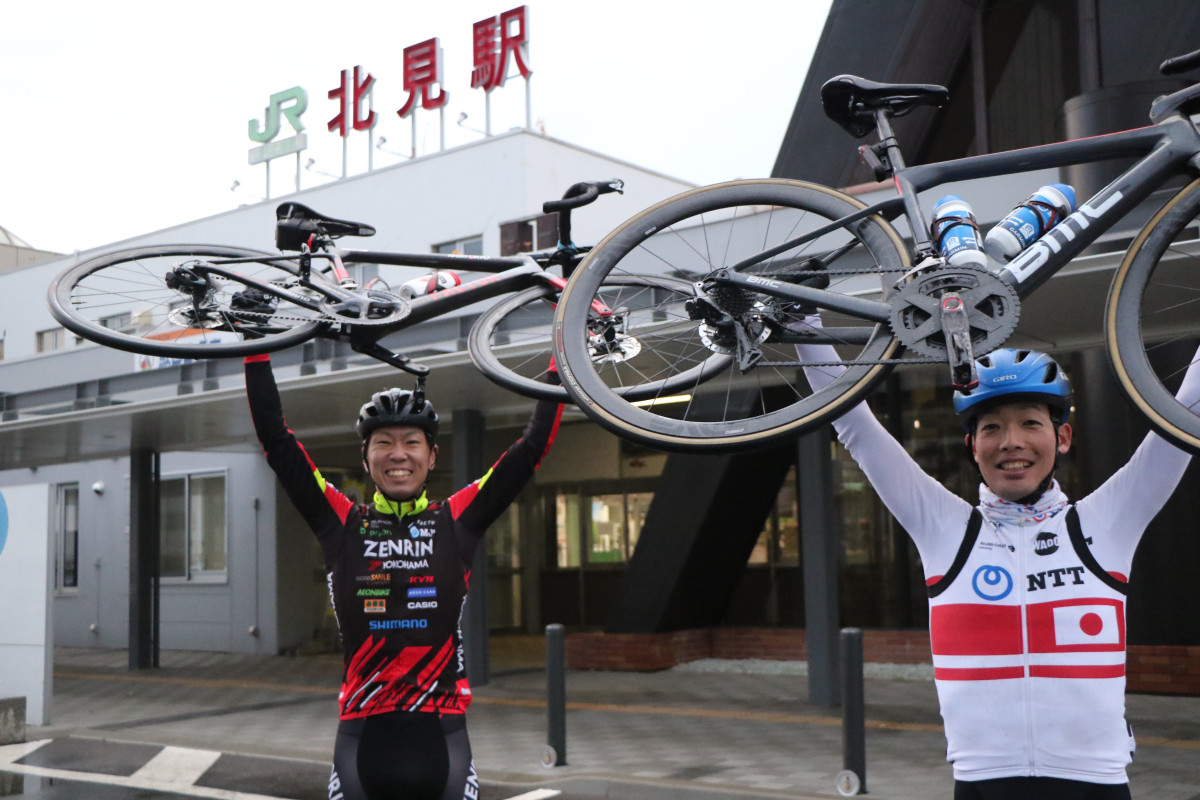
(406, 755)
(1039, 789)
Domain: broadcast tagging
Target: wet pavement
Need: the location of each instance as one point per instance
(233, 726)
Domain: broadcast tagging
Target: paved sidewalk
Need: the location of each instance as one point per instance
(676, 733)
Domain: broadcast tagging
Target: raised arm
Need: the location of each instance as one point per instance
(477, 506)
(321, 505)
(1135, 493)
(922, 506)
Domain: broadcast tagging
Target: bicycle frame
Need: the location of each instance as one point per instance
(1163, 150)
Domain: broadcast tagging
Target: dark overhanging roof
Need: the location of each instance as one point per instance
(883, 40)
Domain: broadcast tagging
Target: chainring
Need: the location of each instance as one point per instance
(993, 309)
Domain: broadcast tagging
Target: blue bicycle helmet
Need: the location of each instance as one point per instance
(1012, 375)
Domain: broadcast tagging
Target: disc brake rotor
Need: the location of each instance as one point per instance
(993, 309)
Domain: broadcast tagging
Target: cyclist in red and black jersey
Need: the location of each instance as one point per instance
(398, 569)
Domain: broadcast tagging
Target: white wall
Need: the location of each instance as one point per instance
(25, 624)
(444, 196)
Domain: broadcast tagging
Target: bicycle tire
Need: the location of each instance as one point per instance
(690, 236)
(511, 343)
(1150, 316)
(120, 299)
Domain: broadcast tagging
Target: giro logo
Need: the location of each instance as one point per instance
(992, 583)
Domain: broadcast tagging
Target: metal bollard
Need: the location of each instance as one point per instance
(852, 779)
(555, 754)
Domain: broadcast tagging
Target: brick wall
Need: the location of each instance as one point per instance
(1154, 669)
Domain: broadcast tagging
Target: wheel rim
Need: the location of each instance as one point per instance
(513, 343)
(122, 300)
(1151, 317)
(686, 239)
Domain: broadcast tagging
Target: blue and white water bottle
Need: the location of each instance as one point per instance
(1029, 221)
(955, 232)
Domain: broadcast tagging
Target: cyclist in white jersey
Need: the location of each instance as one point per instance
(1026, 589)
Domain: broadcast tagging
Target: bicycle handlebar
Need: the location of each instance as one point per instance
(1178, 64)
(581, 194)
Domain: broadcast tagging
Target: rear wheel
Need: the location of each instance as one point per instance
(1151, 317)
(742, 342)
(163, 301)
(511, 342)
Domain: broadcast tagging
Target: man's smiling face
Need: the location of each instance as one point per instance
(398, 459)
(1015, 445)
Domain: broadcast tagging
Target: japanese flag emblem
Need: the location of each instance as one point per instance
(1086, 624)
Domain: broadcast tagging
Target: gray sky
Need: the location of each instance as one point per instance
(124, 117)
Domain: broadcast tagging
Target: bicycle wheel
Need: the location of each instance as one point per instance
(122, 300)
(758, 393)
(511, 342)
(1151, 316)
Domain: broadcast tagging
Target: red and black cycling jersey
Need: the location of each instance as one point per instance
(397, 572)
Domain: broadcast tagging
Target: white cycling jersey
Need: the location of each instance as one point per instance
(1026, 620)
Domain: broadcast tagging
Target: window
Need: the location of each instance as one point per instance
(779, 542)
(599, 528)
(471, 246)
(66, 537)
(192, 525)
(51, 340)
(527, 235)
(117, 322)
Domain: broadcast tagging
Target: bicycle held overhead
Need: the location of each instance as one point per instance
(766, 258)
(213, 301)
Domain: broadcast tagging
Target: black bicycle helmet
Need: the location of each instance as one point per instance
(1009, 374)
(396, 407)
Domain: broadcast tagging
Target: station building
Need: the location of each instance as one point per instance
(610, 537)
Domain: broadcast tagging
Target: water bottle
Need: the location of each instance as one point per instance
(1026, 223)
(433, 282)
(955, 232)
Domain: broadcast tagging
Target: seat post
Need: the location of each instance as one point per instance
(912, 204)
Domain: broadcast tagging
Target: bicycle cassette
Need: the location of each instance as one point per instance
(993, 309)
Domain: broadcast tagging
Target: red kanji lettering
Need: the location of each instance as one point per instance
(483, 37)
(350, 96)
(422, 70)
(493, 40)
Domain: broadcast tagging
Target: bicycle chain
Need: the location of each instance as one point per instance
(402, 309)
(854, 363)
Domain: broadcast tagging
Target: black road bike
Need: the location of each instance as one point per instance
(763, 256)
(212, 301)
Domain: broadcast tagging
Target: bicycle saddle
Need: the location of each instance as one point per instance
(295, 223)
(851, 101)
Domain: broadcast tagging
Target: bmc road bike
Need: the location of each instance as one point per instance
(212, 301)
(766, 258)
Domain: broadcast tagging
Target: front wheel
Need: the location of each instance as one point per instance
(1151, 317)
(163, 301)
(741, 340)
(511, 342)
